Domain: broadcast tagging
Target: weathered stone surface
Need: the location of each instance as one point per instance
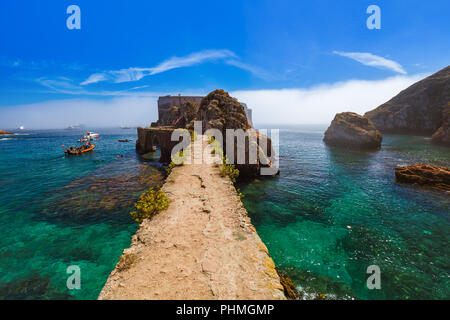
(184, 253)
(442, 135)
(418, 109)
(220, 111)
(424, 175)
(350, 130)
(168, 102)
(5, 132)
(188, 114)
(160, 136)
(145, 141)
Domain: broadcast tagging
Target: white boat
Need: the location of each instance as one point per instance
(89, 136)
(21, 128)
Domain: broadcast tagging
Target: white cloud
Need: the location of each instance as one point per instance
(192, 59)
(318, 105)
(372, 60)
(254, 70)
(94, 78)
(196, 58)
(64, 85)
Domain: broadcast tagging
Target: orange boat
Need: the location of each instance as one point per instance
(77, 151)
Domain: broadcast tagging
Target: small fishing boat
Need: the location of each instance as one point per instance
(79, 150)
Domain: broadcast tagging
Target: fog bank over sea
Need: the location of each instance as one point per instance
(317, 104)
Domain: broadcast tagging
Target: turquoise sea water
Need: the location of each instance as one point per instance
(332, 213)
(57, 211)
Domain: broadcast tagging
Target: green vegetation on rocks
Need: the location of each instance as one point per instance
(230, 170)
(150, 203)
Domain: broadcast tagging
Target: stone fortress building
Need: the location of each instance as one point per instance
(165, 103)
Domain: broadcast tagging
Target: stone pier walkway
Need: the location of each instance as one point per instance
(202, 247)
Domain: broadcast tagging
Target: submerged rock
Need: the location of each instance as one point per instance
(442, 135)
(418, 109)
(313, 286)
(425, 175)
(290, 291)
(350, 130)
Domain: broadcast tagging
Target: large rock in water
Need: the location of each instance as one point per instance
(350, 130)
(424, 175)
(5, 132)
(442, 135)
(417, 109)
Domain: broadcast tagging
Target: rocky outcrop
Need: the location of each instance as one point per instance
(350, 130)
(5, 132)
(166, 103)
(188, 115)
(418, 109)
(442, 135)
(261, 146)
(424, 175)
(219, 110)
(180, 116)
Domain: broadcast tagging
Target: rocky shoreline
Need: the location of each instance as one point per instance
(202, 247)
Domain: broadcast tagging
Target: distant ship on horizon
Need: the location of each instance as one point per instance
(73, 127)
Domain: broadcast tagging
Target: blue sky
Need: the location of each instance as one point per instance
(131, 51)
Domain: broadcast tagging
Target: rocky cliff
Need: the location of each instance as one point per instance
(417, 109)
(442, 135)
(350, 130)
